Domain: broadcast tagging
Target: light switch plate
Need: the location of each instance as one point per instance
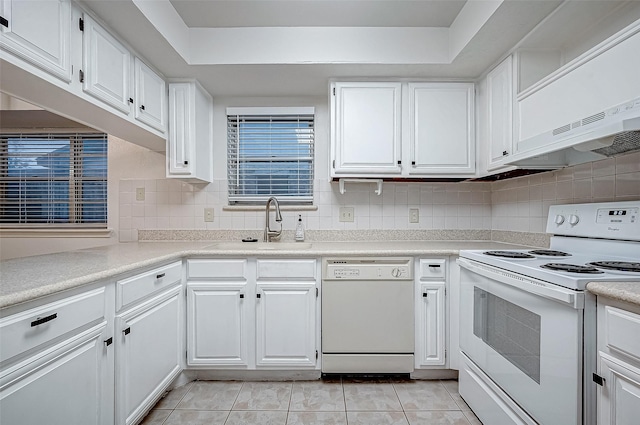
(140, 194)
(208, 214)
(346, 214)
(414, 215)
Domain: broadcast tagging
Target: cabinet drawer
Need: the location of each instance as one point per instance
(139, 286)
(216, 269)
(430, 269)
(621, 331)
(286, 269)
(24, 331)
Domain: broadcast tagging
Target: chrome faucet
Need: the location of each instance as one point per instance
(268, 233)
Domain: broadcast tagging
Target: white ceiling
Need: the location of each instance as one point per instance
(261, 48)
(317, 13)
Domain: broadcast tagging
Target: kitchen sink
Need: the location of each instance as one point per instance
(273, 246)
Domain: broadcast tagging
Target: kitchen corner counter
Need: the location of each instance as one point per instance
(29, 278)
(621, 291)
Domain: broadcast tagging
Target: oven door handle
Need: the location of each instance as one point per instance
(534, 286)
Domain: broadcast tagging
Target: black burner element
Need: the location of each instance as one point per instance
(549, 253)
(509, 254)
(573, 268)
(623, 266)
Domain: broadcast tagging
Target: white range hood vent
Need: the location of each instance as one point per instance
(608, 133)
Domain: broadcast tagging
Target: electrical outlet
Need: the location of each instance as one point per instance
(208, 214)
(140, 194)
(346, 214)
(414, 215)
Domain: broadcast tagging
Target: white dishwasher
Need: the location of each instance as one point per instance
(368, 315)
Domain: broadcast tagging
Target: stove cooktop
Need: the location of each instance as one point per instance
(571, 270)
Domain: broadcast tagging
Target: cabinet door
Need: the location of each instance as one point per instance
(441, 128)
(367, 129)
(148, 354)
(217, 324)
(430, 329)
(181, 130)
(107, 66)
(39, 32)
(619, 397)
(500, 110)
(151, 96)
(71, 383)
(286, 324)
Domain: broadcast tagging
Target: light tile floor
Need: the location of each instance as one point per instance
(328, 402)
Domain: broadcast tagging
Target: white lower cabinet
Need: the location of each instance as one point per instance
(618, 363)
(286, 324)
(217, 324)
(430, 344)
(430, 348)
(69, 384)
(57, 362)
(148, 353)
(252, 314)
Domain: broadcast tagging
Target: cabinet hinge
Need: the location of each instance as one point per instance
(334, 91)
(81, 24)
(316, 292)
(4, 22)
(186, 355)
(316, 354)
(81, 75)
(334, 163)
(598, 379)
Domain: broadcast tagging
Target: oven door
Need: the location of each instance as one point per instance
(526, 336)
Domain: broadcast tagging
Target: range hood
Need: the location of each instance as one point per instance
(608, 133)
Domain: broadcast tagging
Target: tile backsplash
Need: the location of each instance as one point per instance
(522, 204)
(519, 204)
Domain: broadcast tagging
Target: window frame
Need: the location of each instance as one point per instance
(236, 198)
(77, 159)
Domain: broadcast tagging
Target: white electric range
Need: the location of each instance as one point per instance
(528, 340)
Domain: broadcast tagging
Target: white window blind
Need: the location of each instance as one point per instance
(270, 153)
(53, 179)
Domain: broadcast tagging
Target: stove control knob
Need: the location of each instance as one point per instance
(396, 272)
(573, 219)
(559, 219)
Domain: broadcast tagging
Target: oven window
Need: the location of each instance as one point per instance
(511, 330)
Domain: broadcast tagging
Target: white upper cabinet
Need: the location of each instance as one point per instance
(603, 77)
(189, 145)
(441, 130)
(38, 32)
(106, 72)
(367, 128)
(390, 129)
(151, 96)
(500, 112)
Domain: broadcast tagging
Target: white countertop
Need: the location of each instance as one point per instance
(621, 291)
(28, 278)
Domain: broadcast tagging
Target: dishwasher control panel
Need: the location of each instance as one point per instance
(368, 269)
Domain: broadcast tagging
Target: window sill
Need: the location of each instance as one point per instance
(55, 233)
(262, 208)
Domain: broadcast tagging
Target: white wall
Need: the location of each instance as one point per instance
(518, 205)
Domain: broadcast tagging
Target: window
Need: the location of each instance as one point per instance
(53, 180)
(270, 153)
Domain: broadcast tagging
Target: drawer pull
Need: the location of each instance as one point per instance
(108, 342)
(42, 320)
(160, 276)
(425, 295)
(434, 265)
(127, 331)
(257, 295)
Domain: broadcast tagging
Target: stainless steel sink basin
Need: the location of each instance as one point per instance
(273, 246)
